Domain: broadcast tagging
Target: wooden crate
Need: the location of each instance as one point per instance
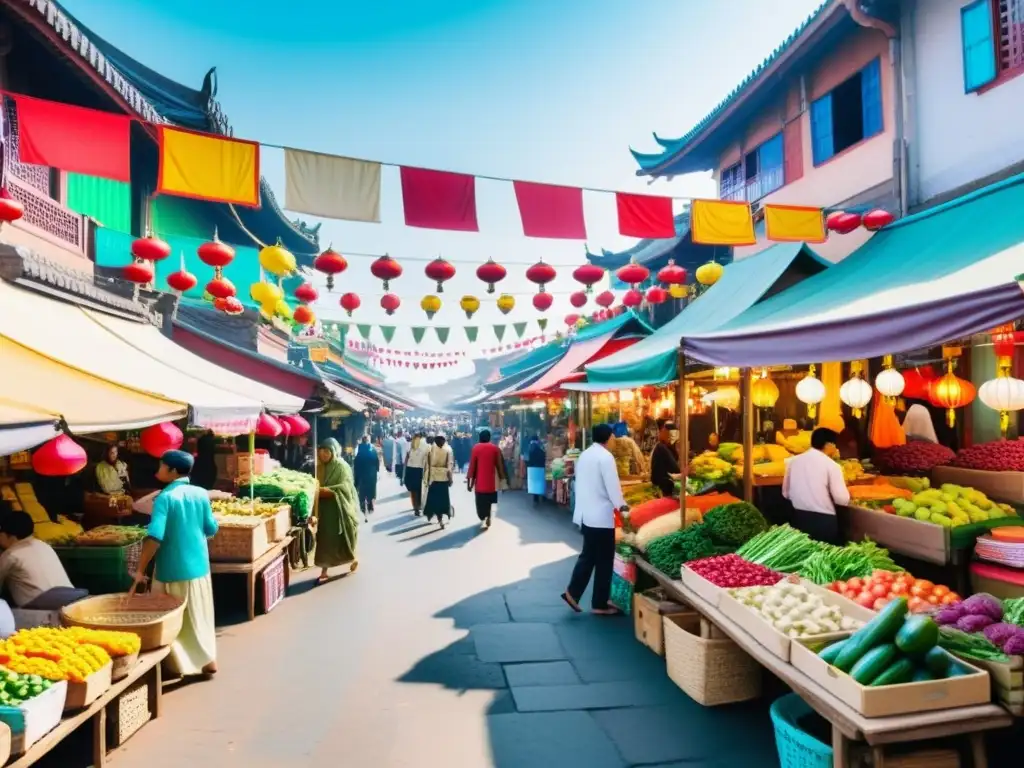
(649, 610)
(902, 535)
(1007, 682)
(279, 524)
(81, 695)
(236, 544)
(1000, 486)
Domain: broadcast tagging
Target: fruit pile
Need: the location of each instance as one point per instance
(855, 470)
(997, 456)
(17, 688)
(638, 494)
(111, 536)
(52, 653)
(242, 507)
(951, 506)
(882, 587)
(707, 466)
(917, 457)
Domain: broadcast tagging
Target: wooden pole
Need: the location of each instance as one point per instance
(747, 403)
(683, 425)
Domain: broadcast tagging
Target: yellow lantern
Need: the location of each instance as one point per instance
(678, 291)
(282, 309)
(430, 304)
(811, 391)
(277, 260)
(710, 273)
(265, 293)
(506, 303)
(470, 304)
(951, 392)
(764, 392)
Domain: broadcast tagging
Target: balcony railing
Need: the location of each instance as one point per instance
(756, 188)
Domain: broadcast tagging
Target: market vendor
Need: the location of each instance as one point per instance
(814, 486)
(112, 473)
(664, 462)
(28, 567)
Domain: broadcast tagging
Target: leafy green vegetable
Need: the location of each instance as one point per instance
(781, 548)
(1013, 611)
(969, 646)
(734, 524)
(297, 489)
(786, 549)
(668, 553)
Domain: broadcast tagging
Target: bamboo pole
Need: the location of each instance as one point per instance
(747, 404)
(683, 425)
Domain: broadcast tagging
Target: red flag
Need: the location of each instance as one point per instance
(551, 211)
(74, 139)
(645, 216)
(439, 200)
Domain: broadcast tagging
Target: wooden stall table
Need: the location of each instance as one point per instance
(252, 570)
(848, 725)
(148, 667)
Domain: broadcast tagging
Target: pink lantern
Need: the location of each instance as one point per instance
(59, 457)
(160, 438)
(268, 426)
(296, 424)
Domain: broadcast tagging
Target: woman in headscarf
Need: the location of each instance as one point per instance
(365, 467)
(414, 467)
(112, 473)
(205, 472)
(337, 531)
(440, 466)
(535, 466)
(917, 424)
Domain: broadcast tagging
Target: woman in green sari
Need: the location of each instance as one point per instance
(337, 511)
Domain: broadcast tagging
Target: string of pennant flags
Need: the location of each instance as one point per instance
(224, 169)
(443, 335)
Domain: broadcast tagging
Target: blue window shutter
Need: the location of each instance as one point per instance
(770, 155)
(821, 129)
(979, 44)
(871, 98)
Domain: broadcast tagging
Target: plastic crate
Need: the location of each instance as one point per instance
(101, 570)
(797, 748)
(272, 584)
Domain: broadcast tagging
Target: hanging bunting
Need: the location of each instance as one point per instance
(471, 333)
(418, 333)
(208, 167)
(721, 222)
(542, 323)
(442, 335)
(364, 331)
(439, 200)
(499, 331)
(388, 332)
(520, 329)
(547, 210)
(645, 216)
(794, 224)
(332, 187)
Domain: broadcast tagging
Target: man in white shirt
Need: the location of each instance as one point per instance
(598, 496)
(28, 567)
(814, 486)
(401, 454)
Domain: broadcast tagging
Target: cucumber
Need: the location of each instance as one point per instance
(958, 670)
(900, 671)
(881, 629)
(874, 663)
(938, 662)
(828, 654)
(917, 636)
(922, 675)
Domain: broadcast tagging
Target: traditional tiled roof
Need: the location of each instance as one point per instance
(644, 250)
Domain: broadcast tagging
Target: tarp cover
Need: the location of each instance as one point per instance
(21, 429)
(579, 353)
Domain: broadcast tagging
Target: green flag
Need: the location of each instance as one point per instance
(542, 322)
(364, 330)
(499, 331)
(471, 332)
(520, 329)
(388, 331)
(442, 334)
(417, 333)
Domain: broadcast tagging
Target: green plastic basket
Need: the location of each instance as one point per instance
(797, 748)
(101, 570)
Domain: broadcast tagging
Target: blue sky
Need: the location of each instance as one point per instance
(527, 89)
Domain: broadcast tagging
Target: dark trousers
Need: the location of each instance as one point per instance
(597, 558)
(365, 500)
(400, 472)
(818, 526)
(484, 502)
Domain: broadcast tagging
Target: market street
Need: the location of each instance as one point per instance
(383, 668)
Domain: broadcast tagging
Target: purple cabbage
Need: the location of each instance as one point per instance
(974, 623)
(950, 615)
(998, 634)
(983, 605)
(1015, 645)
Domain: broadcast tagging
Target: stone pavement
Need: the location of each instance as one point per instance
(450, 648)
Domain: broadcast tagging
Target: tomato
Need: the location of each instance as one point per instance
(917, 605)
(906, 578)
(880, 603)
(880, 590)
(933, 600)
(940, 590)
(855, 583)
(926, 585)
(866, 599)
(918, 591)
(883, 576)
(954, 597)
(899, 588)
(850, 593)
(948, 599)
(837, 586)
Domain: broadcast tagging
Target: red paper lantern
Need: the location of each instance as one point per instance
(387, 269)
(543, 301)
(286, 428)
(588, 275)
(330, 263)
(160, 438)
(383, 413)
(220, 288)
(59, 457)
(657, 295)
(389, 303)
(182, 281)
(350, 303)
(672, 274)
(842, 223)
(306, 293)
(140, 272)
(216, 254)
(10, 209)
(268, 426)
(440, 271)
(916, 382)
(633, 298)
(491, 272)
(571, 320)
(303, 315)
(876, 219)
(150, 248)
(633, 273)
(297, 425)
(232, 306)
(578, 299)
(605, 299)
(541, 274)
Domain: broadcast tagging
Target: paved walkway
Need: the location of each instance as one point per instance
(447, 648)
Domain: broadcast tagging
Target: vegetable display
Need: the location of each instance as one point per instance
(951, 506)
(639, 494)
(656, 529)
(854, 470)
(1013, 611)
(16, 688)
(244, 507)
(970, 646)
(996, 456)
(983, 615)
(111, 536)
(708, 467)
(877, 492)
(730, 571)
(641, 514)
(882, 587)
(668, 553)
(52, 653)
(793, 610)
(297, 489)
(734, 524)
(786, 549)
(914, 458)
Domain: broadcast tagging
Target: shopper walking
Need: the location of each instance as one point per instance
(401, 452)
(365, 468)
(536, 461)
(181, 523)
(440, 467)
(598, 496)
(415, 463)
(388, 445)
(337, 530)
(486, 470)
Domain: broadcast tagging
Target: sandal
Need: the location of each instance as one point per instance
(571, 603)
(611, 610)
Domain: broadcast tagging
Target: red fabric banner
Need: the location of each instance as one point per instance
(645, 216)
(439, 200)
(74, 139)
(548, 210)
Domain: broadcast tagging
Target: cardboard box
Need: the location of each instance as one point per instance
(903, 535)
(710, 592)
(81, 695)
(905, 699)
(35, 718)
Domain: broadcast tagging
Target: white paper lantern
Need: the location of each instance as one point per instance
(890, 383)
(811, 391)
(1003, 394)
(856, 393)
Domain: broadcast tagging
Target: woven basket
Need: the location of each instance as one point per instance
(155, 617)
(649, 609)
(240, 544)
(710, 671)
(129, 713)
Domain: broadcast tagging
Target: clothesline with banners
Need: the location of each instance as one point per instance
(225, 169)
(443, 334)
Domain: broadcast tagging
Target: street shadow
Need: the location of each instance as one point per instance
(456, 538)
(391, 523)
(416, 524)
(433, 530)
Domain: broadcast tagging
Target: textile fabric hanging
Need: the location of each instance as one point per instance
(207, 167)
(332, 187)
(721, 222)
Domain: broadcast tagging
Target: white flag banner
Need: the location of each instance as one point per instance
(331, 186)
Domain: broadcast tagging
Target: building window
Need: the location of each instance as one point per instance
(848, 114)
(992, 36)
(759, 173)
(732, 186)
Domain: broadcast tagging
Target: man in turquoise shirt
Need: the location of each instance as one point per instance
(182, 521)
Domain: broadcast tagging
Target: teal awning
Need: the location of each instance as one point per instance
(546, 354)
(743, 284)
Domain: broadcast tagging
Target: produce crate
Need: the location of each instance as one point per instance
(902, 535)
(963, 691)
(236, 544)
(100, 570)
(35, 718)
(279, 524)
(104, 509)
(710, 671)
(272, 583)
(81, 695)
(710, 592)
(123, 666)
(649, 610)
(128, 713)
(999, 486)
(1007, 682)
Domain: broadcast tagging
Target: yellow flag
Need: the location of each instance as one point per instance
(721, 222)
(794, 223)
(208, 167)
